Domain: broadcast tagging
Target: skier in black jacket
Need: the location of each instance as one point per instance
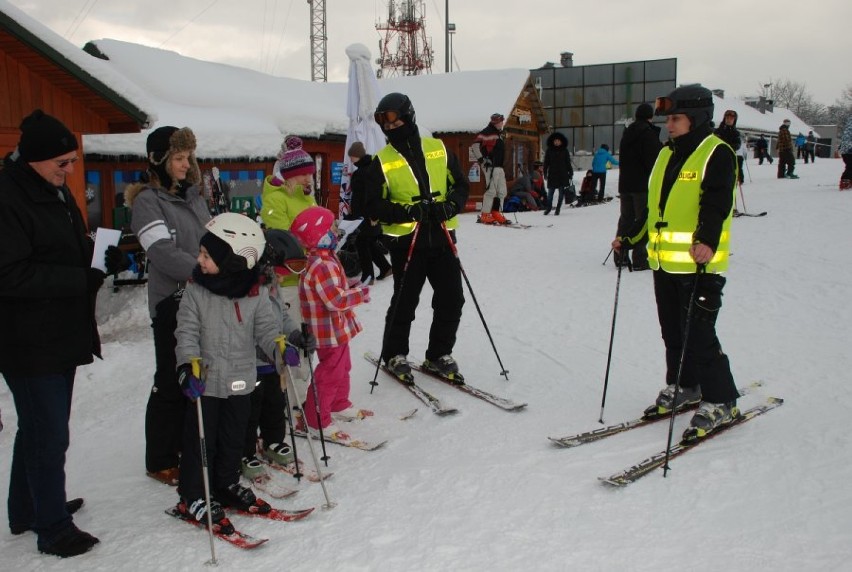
(558, 171)
(729, 133)
(639, 147)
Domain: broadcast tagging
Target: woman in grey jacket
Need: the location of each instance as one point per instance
(169, 214)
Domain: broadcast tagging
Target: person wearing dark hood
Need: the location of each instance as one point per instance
(762, 147)
(370, 251)
(690, 206)
(47, 304)
(169, 214)
(558, 171)
(640, 144)
(416, 188)
(728, 132)
(784, 147)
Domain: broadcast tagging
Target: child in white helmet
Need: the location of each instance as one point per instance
(223, 315)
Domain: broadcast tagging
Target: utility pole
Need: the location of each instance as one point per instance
(319, 42)
(447, 36)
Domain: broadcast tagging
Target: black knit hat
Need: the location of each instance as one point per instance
(219, 250)
(644, 111)
(44, 137)
(356, 150)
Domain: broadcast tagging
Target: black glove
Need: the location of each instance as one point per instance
(115, 260)
(444, 211)
(94, 279)
(307, 342)
(418, 211)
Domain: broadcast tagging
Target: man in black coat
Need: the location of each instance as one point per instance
(639, 147)
(367, 243)
(558, 171)
(47, 302)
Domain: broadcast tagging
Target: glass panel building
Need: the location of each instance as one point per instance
(592, 104)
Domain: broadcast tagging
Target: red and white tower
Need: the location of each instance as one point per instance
(405, 50)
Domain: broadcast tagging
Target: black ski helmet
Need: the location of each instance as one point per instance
(395, 103)
(694, 100)
(281, 246)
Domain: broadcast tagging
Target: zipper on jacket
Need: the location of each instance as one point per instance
(237, 310)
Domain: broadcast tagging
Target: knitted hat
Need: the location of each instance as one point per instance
(644, 111)
(218, 249)
(311, 225)
(293, 161)
(497, 117)
(356, 150)
(44, 137)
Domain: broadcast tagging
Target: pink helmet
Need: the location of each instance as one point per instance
(311, 225)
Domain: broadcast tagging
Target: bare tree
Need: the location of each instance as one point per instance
(794, 96)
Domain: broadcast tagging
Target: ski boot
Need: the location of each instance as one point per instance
(686, 396)
(708, 418)
(398, 366)
(446, 367)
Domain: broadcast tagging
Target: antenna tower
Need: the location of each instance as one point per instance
(319, 40)
(405, 50)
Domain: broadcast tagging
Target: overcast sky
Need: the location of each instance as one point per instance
(737, 45)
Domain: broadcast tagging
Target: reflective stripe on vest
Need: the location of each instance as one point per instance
(401, 185)
(670, 233)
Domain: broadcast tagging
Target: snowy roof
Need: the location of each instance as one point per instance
(99, 70)
(237, 112)
(750, 119)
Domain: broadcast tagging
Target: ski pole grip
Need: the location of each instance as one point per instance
(196, 366)
(305, 335)
(281, 341)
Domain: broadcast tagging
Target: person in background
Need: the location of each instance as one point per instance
(370, 252)
(492, 148)
(169, 212)
(690, 204)
(728, 132)
(224, 313)
(558, 171)
(327, 305)
(286, 193)
(415, 187)
(47, 303)
(600, 163)
(800, 146)
(640, 144)
(845, 150)
(524, 187)
(762, 146)
(810, 147)
(784, 148)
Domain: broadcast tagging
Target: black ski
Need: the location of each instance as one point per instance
(639, 470)
(604, 432)
(739, 214)
(501, 402)
(433, 402)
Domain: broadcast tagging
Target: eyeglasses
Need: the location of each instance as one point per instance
(65, 162)
(389, 116)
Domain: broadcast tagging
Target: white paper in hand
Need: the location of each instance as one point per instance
(104, 237)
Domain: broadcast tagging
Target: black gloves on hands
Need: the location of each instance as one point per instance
(435, 211)
(305, 342)
(115, 260)
(94, 279)
(418, 211)
(444, 211)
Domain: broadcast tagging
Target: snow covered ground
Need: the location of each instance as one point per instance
(485, 489)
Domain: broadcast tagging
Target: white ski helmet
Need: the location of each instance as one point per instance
(243, 235)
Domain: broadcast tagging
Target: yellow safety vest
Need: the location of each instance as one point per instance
(670, 233)
(401, 185)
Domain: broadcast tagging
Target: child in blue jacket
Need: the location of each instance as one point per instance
(599, 166)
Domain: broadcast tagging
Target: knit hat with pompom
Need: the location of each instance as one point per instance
(293, 160)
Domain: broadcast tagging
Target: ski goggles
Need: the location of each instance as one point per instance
(389, 116)
(667, 105)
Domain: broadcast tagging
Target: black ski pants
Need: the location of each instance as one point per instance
(705, 364)
(438, 264)
(633, 207)
(225, 421)
(267, 413)
(370, 252)
(166, 403)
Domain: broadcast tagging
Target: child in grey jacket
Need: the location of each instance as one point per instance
(224, 313)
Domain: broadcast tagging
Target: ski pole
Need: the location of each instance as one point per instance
(281, 341)
(288, 412)
(325, 456)
(745, 162)
(397, 296)
(503, 371)
(607, 257)
(196, 371)
(611, 333)
(687, 326)
(742, 196)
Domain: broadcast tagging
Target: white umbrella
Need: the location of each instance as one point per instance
(364, 95)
